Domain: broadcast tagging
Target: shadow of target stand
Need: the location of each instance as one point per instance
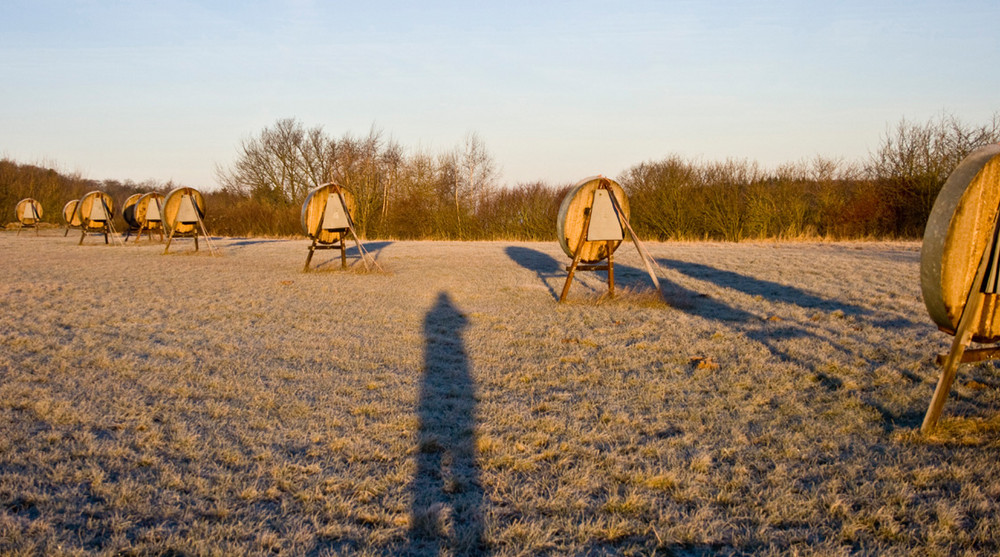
(960, 268)
(592, 222)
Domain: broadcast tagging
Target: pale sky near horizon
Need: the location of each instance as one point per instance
(166, 90)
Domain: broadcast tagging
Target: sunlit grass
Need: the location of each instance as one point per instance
(201, 405)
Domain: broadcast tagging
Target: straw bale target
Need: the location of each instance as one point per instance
(591, 224)
(128, 210)
(28, 212)
(183, 208)
(70, 217)
(959, 228)
(960, 268)
(321, 217)
(95, 210)
(327, 220)
(142, 213)
(182, 213)
(573, 218)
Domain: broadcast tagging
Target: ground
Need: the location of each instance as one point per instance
(447, 404)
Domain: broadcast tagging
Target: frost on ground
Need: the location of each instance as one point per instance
(196, 404)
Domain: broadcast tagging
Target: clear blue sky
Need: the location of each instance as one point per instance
(166, 90)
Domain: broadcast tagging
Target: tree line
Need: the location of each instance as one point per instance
(457, 195)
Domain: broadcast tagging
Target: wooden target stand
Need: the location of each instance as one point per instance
(144, 215)
(326, 218)
(70, 216)
(182, 213)
(96, 212)
(128, 214)
(28, 213)
(960, 269)
(334, 222)
(605, 221)
(153, 217)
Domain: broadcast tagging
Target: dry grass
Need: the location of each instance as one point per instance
(203, 405)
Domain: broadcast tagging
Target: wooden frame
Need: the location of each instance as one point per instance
(170, 215)
(314, 210)
(70, 215)
(28, 213)
(959, 353)
(339, 244)
(609, 265)
(140, 221)
(85, 210)
(960, 268)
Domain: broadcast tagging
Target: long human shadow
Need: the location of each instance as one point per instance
(544, 265)
(446, 513)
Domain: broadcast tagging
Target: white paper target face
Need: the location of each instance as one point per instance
(153, 210)
(29, 211)
(604, 224)
(186, 213)
(334, 218)
(97, 212)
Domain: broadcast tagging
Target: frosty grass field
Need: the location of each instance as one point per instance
(191, 404)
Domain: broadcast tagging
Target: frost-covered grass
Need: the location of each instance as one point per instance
(198, 405)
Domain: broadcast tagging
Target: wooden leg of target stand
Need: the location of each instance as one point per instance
(577, 255)
(170, 238)
(963, 335)
(343, 252)
(312, 249)
(83, 235)
(611, 269)
(572, 269)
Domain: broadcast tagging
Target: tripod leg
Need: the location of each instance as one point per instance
(971, 314)
(577, 255)
(309, 257)
(170, 238)
(611, 269)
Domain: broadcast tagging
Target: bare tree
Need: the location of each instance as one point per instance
(279, 165)
(479, 169)
(914, 160)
